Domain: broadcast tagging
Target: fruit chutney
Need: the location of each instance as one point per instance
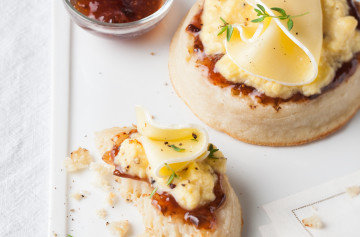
(117, 11)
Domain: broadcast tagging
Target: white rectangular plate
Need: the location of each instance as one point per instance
(97, 82)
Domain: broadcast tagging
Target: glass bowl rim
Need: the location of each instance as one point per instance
(144, 20)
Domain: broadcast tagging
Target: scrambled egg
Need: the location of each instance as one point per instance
(194, 184)
(341, 40)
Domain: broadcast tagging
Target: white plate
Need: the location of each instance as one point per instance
(97, 82)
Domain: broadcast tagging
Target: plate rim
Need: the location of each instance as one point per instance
(60, 88)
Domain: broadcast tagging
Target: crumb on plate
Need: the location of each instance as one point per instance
(102, 213)
(78, 196)
(353, 191)
(112, 199)
(313, 221)
(102, 175)
(119, 228)
(79, 159)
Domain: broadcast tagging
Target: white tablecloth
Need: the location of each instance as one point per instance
(24, 116)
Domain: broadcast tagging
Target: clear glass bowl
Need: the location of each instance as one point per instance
(130, 29)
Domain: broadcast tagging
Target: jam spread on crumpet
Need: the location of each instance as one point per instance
(203, 217)
(343, 71)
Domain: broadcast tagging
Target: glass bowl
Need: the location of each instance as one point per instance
(126, 30)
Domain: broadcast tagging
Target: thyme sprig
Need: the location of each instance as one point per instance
(170, 179)
(261, 12)
(153, 192)
(172, 176)
(226, 27)
(212, 151)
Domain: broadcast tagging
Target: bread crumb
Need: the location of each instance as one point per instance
(104, 140)
(112, 199)
(102, 213)
(78, 160)
(313, 222)
(78, 196)
(137, 160)
(119, 228)
(102, 175)
(353, 191)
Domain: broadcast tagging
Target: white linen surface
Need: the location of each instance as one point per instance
(24, 116)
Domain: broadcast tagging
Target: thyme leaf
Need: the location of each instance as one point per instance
(290, 24)
(262, 15)
(153, 192)
(226, 27)
(178, 149)
(212, 151)
(172, 176)
(170, 179)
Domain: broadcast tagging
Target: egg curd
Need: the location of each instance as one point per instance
(157, 152)
(273, 59)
